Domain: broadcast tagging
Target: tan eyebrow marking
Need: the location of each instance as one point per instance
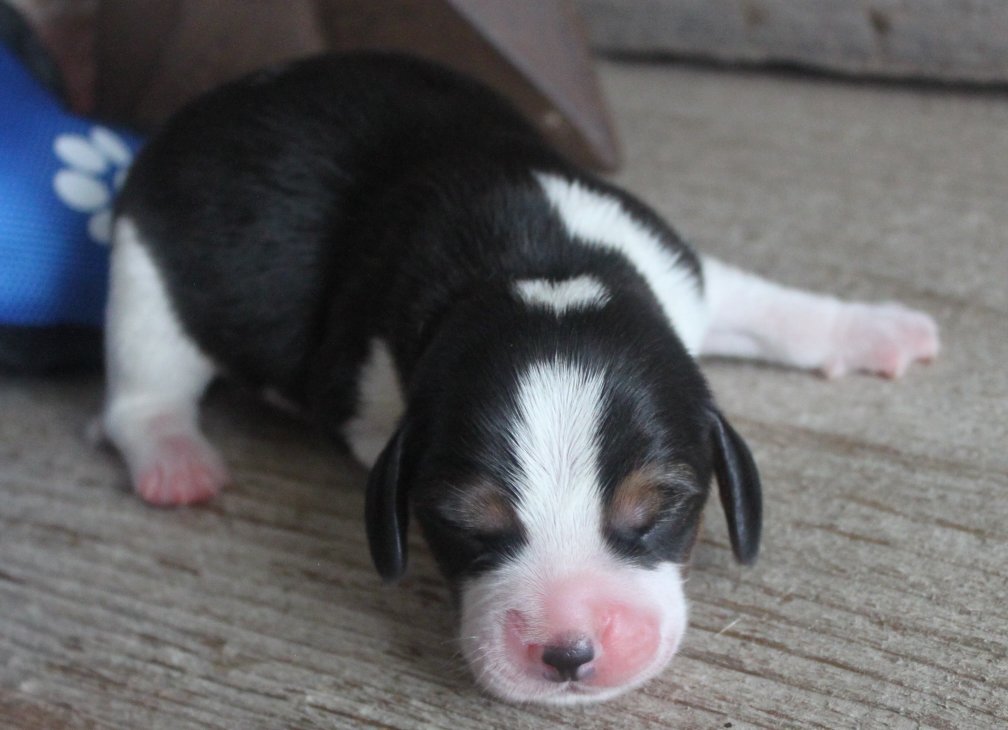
(482, 507)
(638, 500)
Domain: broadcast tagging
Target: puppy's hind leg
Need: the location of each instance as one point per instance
(754, 318)
(156, 376)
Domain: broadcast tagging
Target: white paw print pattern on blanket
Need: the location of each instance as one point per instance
(96, 167)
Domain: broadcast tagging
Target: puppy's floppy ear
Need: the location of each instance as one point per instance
(739, 487)
(386, 510)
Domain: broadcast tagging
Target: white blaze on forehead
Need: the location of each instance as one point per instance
(580, 292)
(555, 438)
(600, 220)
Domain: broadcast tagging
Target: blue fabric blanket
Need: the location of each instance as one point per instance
(58, 177)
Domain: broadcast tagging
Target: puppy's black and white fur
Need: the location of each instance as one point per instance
(508, 340)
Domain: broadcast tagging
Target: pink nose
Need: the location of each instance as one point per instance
(580, 635)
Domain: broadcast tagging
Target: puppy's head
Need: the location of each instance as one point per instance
(558, 468)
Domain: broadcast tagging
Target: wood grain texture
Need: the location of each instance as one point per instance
(934, 40)
(880, 596)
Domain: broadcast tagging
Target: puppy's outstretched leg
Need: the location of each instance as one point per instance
(754, 318)
(156, 377)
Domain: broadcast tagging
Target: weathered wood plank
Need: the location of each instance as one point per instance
(945, 40)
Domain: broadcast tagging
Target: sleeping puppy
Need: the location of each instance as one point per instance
(392, 249)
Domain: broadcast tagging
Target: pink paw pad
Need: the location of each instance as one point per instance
(183, 470)
(881, 338)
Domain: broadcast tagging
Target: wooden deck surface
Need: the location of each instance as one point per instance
(880, 598)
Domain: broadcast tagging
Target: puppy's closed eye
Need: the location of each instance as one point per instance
(646, 497)
(471, 523)
(482, 509)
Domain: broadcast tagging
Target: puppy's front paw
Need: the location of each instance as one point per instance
(880, 338)
(181, 469)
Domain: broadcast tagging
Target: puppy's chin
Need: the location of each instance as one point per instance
(633, 619)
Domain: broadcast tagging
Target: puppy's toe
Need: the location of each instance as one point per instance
(181, 470)
(883, 339)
